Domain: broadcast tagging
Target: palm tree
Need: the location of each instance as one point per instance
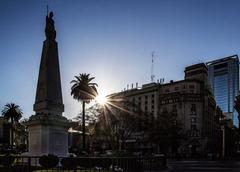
(14, 113)
(83, 90)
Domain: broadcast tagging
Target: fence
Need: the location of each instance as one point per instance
(85, 164)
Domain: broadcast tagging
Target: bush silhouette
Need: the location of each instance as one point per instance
(69, 163)
(48, 161)
(7, 160)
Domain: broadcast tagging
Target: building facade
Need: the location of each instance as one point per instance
(224, 81)
(192, 103)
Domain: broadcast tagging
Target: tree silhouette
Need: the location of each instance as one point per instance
(12, 112)
(166, 132)
(83, 90)
(237, 107)
(118, 121)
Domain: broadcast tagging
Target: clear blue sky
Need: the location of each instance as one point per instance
(112, 40)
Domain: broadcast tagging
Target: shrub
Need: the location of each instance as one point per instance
(7, 160)
(103, 162)
(48, 161)
(69, 163)
(85, 162)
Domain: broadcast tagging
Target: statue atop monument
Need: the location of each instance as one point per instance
(50, 31)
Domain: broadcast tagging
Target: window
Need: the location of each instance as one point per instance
(180, 105)
(164, 110)
(152, 95)
(193, 108)
(174, 108)
(193, 120)
(174, 122)
(146, 97)
(146, 108)
(191, 86)
(176, 88)
(193, 127)
(167, 90)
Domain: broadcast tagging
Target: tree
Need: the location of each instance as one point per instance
(237, 134)
(237, 107)
(120, 120)
(91, 118)
(12, 112)
(91, 114)
(125, 125)
(83, 90)
(166, 132)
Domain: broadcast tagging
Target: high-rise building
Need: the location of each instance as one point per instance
(224, 81)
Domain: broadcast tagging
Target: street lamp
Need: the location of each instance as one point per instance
(223, 141)
(222, 122)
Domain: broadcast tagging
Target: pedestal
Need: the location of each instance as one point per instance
(48, 134)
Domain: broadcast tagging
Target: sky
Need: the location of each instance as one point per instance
(113, 41)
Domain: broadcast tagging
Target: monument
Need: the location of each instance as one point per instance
(48, 128)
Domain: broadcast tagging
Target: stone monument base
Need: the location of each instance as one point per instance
(48, 134)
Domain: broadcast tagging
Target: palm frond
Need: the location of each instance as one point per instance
(82, 88)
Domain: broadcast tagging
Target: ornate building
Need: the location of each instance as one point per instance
(191, 103)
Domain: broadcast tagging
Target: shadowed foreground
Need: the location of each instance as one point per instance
(81, 164)
(218, 166)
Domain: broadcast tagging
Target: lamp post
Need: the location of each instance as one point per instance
(222, 122)
(223, 141)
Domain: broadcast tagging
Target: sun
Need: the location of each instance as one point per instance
(101, 99)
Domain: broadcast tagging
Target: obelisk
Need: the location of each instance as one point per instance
(48, 128)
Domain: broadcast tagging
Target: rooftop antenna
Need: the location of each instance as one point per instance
(152, 67)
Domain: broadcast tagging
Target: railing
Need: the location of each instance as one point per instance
(88, 164)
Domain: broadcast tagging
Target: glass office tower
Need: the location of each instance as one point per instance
(224, 80)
